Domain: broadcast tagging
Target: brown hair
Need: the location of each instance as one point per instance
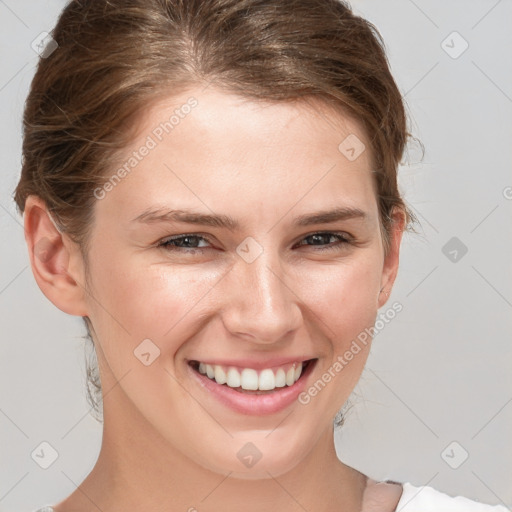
(114, 57)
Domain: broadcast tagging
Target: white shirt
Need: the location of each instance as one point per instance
(424, 499)
(427, 499)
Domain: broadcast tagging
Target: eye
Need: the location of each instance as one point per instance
(323, 240)
(188, 243)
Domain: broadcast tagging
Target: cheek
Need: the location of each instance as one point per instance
(343, 296)
(140, 301)
(343, 300)
(133, 301)
(152, 301)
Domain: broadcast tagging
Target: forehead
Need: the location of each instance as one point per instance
(217, 112)
(206, 146)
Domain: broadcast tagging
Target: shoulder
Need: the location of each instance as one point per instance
(427, 499)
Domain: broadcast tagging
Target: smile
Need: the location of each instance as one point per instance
(249, 379)
(249, 390)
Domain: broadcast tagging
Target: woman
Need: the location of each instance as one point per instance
(212, 186)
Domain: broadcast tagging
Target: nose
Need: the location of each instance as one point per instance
(260, 303)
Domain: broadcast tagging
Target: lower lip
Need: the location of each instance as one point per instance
(251, 404)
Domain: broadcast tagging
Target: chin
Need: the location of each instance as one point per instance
(257, 456)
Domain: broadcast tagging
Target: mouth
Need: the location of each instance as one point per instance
(250, 380)
(253, 391)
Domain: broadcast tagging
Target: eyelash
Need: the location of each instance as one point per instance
(343, 240)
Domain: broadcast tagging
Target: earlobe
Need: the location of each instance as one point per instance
(50, 253)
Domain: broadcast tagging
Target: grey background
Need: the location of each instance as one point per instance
(438, 373)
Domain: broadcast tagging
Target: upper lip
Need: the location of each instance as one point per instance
(252, 363)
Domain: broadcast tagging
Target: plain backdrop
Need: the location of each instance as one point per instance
(434, 405)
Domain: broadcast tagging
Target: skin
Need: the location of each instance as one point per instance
(166, 444)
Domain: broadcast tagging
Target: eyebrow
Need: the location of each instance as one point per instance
(153, 216)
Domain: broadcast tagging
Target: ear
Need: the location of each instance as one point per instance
(391, 260)
(56, 261)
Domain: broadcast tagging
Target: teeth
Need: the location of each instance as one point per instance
(249, 379)
(298, 371)
(233, 378)
(209, 371)
(290, 376)
(267, 380)
(280, 378)
(220, 375)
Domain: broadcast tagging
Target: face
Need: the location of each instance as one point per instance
(243, 246)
